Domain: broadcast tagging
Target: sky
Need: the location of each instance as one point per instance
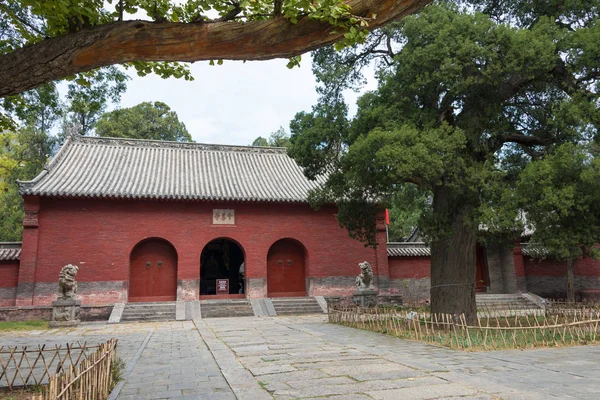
(236, 102)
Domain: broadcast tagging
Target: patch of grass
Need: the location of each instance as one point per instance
(20, 393)
(23, 325)
(116, 370)
(262, 385)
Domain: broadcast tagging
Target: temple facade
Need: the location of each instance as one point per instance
(163, 221)
(150, 221)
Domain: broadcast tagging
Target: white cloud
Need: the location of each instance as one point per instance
(232, 103)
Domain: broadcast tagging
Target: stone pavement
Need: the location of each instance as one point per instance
(304, 357)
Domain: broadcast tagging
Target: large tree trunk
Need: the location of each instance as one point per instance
(126, 41)
(570, 281)
(453, 260)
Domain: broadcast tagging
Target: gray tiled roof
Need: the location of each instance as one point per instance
(408, 249)
(10, 251)
(147, 169)
(534, 250)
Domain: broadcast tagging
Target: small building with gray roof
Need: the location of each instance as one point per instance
(161, 221)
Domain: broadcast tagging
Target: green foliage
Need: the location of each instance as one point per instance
(88, 98)
(147, 120)
(22, 156)
(39, 108)
(465, 102)
(409, 203)
(560, 195)
(25, 22)
(279, 138)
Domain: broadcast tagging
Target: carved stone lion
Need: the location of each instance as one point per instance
(364, 281)
(67, 287)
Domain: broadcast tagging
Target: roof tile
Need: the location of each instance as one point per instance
(408, 249)
(10, 251)
(147, 169)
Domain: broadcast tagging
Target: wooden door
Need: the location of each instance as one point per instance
(153, 272)
(285, 269)
(481, 279)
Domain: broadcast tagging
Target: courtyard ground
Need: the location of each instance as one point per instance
(305, 357)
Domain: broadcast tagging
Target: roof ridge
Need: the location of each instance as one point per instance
(179, 145)
(10, 244)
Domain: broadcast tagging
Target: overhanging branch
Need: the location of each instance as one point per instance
(126, 41)
(524, 140)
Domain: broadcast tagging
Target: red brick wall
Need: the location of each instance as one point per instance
(409, 267)
(99, 235)
(548, 277)
(552, 267)
(9, 275)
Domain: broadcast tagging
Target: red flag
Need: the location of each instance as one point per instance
(387, 216)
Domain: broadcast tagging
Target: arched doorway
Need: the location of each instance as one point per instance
(153, 271)
(222, 269)
(286, 269)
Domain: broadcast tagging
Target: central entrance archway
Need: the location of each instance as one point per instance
(222, 260)
(286, 269)
(153, 271)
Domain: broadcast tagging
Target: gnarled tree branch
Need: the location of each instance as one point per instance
(127, 41)
(524, 140)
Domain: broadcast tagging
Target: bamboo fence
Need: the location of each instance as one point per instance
(489, 333)
(26, 366)
(89, 380)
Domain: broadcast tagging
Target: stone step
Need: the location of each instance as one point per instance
(296, 312)
(149, 308)
(289, 299)
(142, 310)
(296, 305)
(226, 308)
(282, 306)
(146, 312)
(154, 319)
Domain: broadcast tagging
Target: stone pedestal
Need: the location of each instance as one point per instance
(365, 298)
(65, 312)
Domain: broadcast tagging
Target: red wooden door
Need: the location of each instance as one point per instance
(153, 272)
(285, 269)
(481, 270)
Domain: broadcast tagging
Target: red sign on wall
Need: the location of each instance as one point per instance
(222, 286)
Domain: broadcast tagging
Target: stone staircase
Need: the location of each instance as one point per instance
(501, 305)
(145, 312)
(296, 305)
(226, 308)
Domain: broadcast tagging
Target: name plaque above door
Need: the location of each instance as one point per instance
(223, 216)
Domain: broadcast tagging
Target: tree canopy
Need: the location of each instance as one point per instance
(279, 138)
(560, 197)
(44, 41)
(467, 97)
(155, 121)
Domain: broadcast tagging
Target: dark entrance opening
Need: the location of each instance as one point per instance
(222, 259)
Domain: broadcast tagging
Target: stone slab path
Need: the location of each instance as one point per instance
(303, 357)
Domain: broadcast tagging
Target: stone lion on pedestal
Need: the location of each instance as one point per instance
(364, 281)
(67, 287)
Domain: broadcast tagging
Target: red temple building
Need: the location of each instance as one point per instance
(150, 221)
